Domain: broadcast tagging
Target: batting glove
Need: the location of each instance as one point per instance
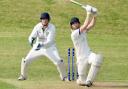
(90, 9)
(94, 11)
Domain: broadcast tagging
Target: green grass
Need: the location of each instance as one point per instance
(6, 86)
(109, 37)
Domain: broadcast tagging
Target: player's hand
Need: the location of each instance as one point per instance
(94, 11)
(39, 46)
(32, 42)
(88, 8)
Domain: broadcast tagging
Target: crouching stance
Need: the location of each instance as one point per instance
(84, 55)
(43, 44)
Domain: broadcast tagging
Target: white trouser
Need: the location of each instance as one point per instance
(51, 53)
(95, 61)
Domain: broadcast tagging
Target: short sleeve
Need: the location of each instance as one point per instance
(75, 34)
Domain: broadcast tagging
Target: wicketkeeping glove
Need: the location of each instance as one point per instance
(32, 42)
(39, 46)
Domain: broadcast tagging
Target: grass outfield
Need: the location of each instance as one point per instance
(109, 37)
(4, 85)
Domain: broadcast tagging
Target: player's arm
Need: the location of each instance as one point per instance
(33, 36)
(90, 20)
(86, 23)
(92, 23)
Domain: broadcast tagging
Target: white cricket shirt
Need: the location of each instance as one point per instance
(80, 44)
(46, 37)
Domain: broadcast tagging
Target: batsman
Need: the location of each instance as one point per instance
(42, 40)
(84, 54)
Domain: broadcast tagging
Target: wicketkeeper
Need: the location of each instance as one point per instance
(84, 55)
(42, 40)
